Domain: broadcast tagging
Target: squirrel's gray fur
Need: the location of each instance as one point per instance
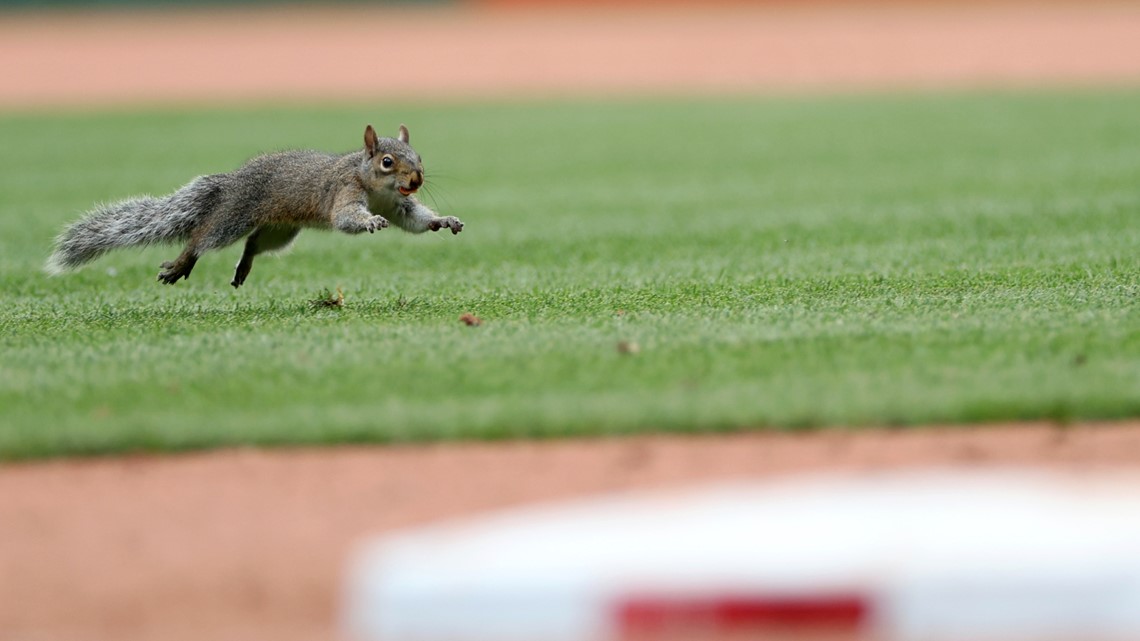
(268, 201)
(133, 222)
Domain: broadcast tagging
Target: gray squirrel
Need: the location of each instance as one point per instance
(267, 201)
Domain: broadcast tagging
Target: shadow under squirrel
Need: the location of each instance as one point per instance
(269, 200)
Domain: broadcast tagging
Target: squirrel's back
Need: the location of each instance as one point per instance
(287, 184)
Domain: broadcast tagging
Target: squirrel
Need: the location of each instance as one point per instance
(267, 201)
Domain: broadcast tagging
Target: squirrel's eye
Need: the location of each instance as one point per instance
(387, 162)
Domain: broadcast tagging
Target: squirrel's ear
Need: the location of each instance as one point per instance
(370, 141)
(403, 134)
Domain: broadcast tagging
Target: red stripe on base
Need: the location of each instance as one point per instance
(648, 616)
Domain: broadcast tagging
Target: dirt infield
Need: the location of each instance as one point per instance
(251, 544)
(370, 53)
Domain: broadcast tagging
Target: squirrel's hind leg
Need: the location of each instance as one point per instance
(180, 267)
(263, 239)
(241, 272)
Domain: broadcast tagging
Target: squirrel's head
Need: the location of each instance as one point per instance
(392, 163)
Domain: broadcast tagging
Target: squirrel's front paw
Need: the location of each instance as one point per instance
(450, 222)
(376, 222)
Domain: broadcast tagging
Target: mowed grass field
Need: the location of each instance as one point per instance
(780, 263)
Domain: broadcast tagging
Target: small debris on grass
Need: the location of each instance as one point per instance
(328, 299)
(628, 347)
(471, 320)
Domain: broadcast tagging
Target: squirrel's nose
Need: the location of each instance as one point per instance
(417, 180)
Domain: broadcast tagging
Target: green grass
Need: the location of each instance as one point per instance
(781, 263)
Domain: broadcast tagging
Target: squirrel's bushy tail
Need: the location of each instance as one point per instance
(135, 221)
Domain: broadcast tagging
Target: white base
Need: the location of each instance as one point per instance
(933, 556)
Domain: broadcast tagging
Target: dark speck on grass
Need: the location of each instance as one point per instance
(628, 347)
(328, 299)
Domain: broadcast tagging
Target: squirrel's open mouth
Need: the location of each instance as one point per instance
(405, 191)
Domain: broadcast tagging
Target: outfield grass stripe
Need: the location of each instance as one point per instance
(781, 263)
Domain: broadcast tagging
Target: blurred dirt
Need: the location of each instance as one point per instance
(357, 52)
(247, 544)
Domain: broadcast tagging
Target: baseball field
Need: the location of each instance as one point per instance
(828, 265)
(688, 266)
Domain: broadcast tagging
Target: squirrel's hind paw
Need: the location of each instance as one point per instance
(169, 277)
(173, 270)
